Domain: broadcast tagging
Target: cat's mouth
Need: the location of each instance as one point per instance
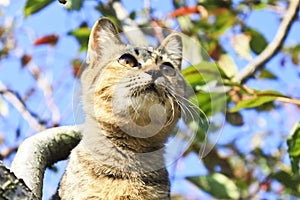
(154, 89)
(151, 88)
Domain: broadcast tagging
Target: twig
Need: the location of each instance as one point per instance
(7, 152)
(13, 98)
(289, 100)
(274, 46)
(46, 88)
(130, 28)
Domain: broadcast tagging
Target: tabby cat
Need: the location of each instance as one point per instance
(131, 97)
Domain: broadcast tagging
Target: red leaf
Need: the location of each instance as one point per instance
(265, 185)
(184, 11)
(25, 60)
(216, 52)
(76, 65)
(220, 11)
(48, 39)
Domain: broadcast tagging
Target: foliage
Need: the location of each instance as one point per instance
(33, 6)
(294, 148)
(234, 171)
(217, 182)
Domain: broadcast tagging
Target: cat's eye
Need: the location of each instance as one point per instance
(128, 60)
(167, 69)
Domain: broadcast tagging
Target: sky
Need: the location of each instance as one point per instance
(55, 20)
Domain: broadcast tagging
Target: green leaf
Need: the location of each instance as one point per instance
(252, 102)
(202, 73)
(217, 185)
(224, 20)
(294, 148)
(241, 45)
(294, 52)
(258, 99)
(132, 15)
(266, 74)
(235, 119)
(106, 9)
(270, 93)
(259, 6)
(185, 23)
(215, 4)
(74, 4)
(211, 102)
(33, 6)
(228, 66)
(82, 36)
(266, 107)
(258, 42)
(291, 183)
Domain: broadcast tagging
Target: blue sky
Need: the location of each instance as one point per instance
(55, 20)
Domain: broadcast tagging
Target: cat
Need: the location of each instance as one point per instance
(131, 97)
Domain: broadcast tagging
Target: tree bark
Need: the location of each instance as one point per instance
(13, 188)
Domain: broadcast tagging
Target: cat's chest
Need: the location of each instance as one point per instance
(117, 189)
(87, 179)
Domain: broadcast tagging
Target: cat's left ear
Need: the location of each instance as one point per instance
(172, 45)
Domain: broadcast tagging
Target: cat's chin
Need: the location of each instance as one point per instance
(138, 106)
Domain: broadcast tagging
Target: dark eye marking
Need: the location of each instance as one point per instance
(167, 69)
(128, 60)
(136, 51)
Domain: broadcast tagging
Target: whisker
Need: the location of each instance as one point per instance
(190, 109)
(172, 117)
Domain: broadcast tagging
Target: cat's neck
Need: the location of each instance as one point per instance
(110, 145)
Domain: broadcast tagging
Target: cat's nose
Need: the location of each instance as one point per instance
(154, 73)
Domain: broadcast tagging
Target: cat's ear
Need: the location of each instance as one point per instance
(172, 45)
(104, 34)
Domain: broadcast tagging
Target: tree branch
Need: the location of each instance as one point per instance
(130, 28)
(13, 98)
(46, 88)
(42, 150)
(289, 100)
(274, 46)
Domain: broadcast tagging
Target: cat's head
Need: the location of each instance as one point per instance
(136, 88)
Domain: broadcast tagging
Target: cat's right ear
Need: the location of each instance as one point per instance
(104, 35)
